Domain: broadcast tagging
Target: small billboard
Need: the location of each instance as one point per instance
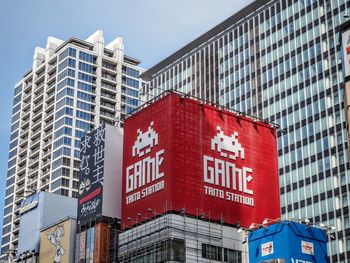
(57, 242)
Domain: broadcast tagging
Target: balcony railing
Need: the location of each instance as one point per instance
(110, 77)
(109, 66)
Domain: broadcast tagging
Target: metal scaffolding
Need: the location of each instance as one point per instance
(177, 237)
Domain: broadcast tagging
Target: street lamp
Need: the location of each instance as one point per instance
(255, 226)
(268, 221)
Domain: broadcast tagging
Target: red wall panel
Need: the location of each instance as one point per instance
(180, 154)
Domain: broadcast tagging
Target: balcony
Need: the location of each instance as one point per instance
(35, 142)
(50, 104)
(51, 78)
(18, 199)
(109, 66)
(46, 153)
(109, 87)
(48, 114)
(33, 173)
(26, 106)
(26, 96)
(108, 105)
(107, 114)
(25, 115)
(46, 143)
(22, 151)
(38, 91)
(34, 154)
(22, 159)
(51, 88)
(28, 87)
(31, 162)
(20, 187)
(37, 103)
(40, 77)
(21, 168)
(45, 180)
(37, 130)
(23, 142)
(24, 130)
(48, 124)
(37, 119)
(51, 68)
(47, 134)
(108, 96)
(31, 183)
(21, 178)
(46, 164)
(109, 76)
(16, 228)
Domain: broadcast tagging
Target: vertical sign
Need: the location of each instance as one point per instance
(345, 39)
(346, 52)
(92, 154)
(82, 246)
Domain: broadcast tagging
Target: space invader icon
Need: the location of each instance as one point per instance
(145, 141)
(227, 146)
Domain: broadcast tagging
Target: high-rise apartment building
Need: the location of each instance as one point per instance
(280, 60)
(73, 86)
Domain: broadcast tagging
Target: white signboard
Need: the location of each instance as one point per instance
(267, 249)
(307, 248)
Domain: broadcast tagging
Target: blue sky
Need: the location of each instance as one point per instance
(152, 30)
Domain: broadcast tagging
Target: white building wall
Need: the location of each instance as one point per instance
(33, 161)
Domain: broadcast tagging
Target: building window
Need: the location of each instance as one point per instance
(221, 254)
(86, 57)
(68, 52)
(211, 252)
(171, 250)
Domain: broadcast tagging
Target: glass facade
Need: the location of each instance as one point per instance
(281, 62)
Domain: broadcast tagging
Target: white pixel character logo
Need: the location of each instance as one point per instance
(145, 141)
(227, 146)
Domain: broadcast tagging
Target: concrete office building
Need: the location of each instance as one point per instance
(73, 86)
(280, 60)
(181, 238)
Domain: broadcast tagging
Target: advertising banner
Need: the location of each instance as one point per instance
(181, 155)
(55, 243)
(91, 176)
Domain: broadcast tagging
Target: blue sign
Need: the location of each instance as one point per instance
(288, 242)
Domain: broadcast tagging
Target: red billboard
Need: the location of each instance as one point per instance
(182, 155)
